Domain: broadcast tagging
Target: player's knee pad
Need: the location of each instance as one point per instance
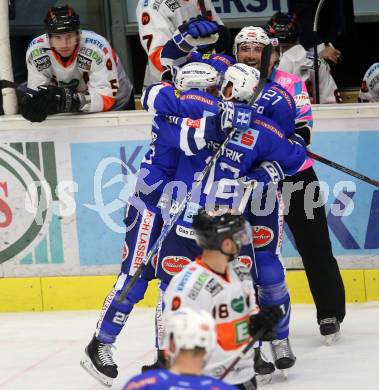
(135, 294)
(270, 269)
(114, 314)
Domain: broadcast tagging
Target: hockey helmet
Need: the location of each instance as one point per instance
(252, 35)
(243, 79)
(212, 228)
(61, 19)
(189, 329)
(196, 75)
(283, 27)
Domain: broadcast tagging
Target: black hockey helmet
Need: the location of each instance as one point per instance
(61, 19)
(212, 228)
(283, 27)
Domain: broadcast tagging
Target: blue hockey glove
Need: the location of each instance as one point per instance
(194, 33)
(268, 172)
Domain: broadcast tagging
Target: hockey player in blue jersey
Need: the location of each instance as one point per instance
(143, 222)
(179, 240)
(190, 337)
(271, 273)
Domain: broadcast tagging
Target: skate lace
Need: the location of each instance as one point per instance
(106, 354)
(325, 321)
(282, 349)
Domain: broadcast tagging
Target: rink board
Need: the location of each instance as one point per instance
(70, 224)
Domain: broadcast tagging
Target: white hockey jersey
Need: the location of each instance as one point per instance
(369, 91)
(157, 22)
(298, 61)
(231, 301)
(93, 68)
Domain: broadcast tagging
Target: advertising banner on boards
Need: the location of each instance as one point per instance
(63, 193)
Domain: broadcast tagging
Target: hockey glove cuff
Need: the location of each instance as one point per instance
(267, 318)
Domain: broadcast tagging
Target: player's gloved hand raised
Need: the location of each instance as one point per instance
(235, 115)
(267, 172)
(194, 33)
(267, 318)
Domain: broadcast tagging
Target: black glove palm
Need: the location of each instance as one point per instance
(267, 318)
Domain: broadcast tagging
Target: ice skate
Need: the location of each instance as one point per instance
(161, 362)
(330, 329)
(263, 368)
(283, 355)
(99, 363)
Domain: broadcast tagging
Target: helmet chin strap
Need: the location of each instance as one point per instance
(232, 256)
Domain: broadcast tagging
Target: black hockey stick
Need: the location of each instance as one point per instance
(343, 169)
(244, 351)
(315, 58)
(19, 88)
(265, 62)
(203, 10)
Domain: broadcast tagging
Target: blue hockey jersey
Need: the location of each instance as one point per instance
(262, 140)
(165, 380)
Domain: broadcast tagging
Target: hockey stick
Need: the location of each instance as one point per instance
(244, 351)
(265, 61)
(19, 88)
(343, 169)
(315, 58)
(203, 10)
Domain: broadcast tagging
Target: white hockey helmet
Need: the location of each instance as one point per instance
(196, 75)
(189, 329)
(250, 34)
(243, 79)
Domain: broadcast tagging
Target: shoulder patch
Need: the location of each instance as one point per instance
(42, 63)
(242, 272)
(198, 285)
(213, 287)
(172, 5)
(84, 63)
(91, 54)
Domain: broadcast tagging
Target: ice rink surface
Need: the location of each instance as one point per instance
(42, 350)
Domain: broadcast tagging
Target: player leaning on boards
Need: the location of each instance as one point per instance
(217, 283)
(190, 337)
(72, 70)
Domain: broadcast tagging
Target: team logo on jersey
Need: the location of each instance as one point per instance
(246, 139)
(238, 304)
(302, 100)
(145, 18)
(125, 251)
(172, 4)
(42, 63)
(176, 303)
(262, 236)
(174, 264)
(84, 63)
(245, 261)
(213, 287)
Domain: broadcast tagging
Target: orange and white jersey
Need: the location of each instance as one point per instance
(93, 68)
(157, 22)
(231, 301)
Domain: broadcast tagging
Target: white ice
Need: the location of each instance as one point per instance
(42, 350)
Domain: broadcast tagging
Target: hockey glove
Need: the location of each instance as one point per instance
(235, 116)
(35, 108)
(267, 172)
(297, 139)
(267, 318)
(194, 33)
(302, 128)
(65, 99)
